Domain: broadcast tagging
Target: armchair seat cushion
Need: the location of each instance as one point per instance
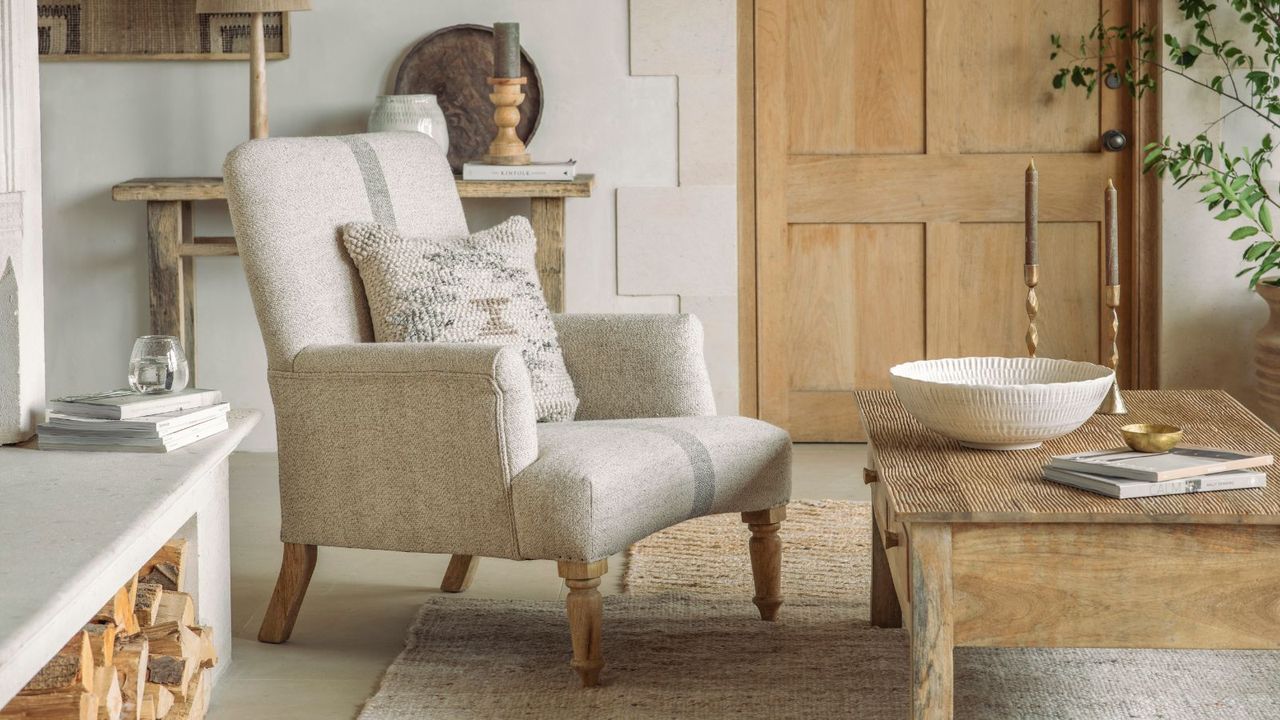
(598, 486)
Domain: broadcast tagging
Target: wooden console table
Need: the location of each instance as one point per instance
(172, 247)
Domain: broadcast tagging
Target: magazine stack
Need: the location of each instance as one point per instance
(1123, 473)
(128, 421)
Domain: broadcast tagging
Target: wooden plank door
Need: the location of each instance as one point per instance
(891, 139)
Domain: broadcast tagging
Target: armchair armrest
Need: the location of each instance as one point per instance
(632, 366)
(403, 446)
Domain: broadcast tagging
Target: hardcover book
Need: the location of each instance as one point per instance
(1121, 488)
(544, 171)
(1180, 462)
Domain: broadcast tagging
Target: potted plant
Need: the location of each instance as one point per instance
(1246, 77)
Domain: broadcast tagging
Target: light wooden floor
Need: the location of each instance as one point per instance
(360, 602)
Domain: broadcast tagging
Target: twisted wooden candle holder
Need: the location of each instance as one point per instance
(1032, 275)
(1113, 404)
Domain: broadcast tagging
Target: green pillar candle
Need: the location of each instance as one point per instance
(506, 50)
(1031, 217)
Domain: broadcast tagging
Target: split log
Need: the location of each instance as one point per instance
(106, 686)
(175, 656)
(119, 609)
(69, 670)
(159, 698)
(176, 607)
(130, 661)
(75, 704)
(147, 711)
(195, 704)
(165, 568)
(102, 643)
(147, 606)
(208, 652)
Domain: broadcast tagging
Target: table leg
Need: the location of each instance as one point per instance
(885, 611)
(547, 217)
(932, 639)
(168, 226)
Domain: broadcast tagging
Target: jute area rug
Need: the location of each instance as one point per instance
(685, 642)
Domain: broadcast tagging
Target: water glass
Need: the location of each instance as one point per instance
(157, 365)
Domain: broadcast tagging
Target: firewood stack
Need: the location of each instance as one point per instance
(141, 657)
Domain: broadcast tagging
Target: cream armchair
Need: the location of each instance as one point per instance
(434, 448)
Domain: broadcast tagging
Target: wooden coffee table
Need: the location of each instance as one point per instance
(972, 549)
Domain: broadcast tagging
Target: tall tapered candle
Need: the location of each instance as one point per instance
(1032, 208)
(1112, 229)
(506, 50)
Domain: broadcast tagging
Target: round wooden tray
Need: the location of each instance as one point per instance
(454, 64)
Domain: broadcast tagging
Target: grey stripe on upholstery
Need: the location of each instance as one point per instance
(704, 471)
(375, 183)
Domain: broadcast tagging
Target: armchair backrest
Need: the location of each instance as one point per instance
(290, 197)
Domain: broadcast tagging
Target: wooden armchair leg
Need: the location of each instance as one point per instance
(296, 566)
(586, 611)
(458, 576)
(766, 558)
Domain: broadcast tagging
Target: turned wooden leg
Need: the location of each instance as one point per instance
(298, 563)
(586, 610)
(885, 611)
(458, 576)
(932, 622)
(766, 558)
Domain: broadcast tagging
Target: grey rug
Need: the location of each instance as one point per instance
(701, 652)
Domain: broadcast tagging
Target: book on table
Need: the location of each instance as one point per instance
(1124, 488)
(74, 424)
(538, 171)
(1178, 463)
(127, 404)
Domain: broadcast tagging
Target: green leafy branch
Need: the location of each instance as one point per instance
(1232, 183)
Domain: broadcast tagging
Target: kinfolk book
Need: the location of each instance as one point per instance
(544, 171)
(1123, 489)
(1180, 462)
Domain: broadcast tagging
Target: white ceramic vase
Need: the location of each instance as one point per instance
(414, 113)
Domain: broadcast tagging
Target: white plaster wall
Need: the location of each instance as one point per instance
(106, 122)
(22, 382)
(1209, 316)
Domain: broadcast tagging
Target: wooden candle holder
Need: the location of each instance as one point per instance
(1031, 273)
(1113, 404)
(507, 148)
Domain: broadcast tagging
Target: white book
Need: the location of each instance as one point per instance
(127, 404)
(1123, 489)
(175, 441)
(159, 425)
(1180, 462)
(544, 171)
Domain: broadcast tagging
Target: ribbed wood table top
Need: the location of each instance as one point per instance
(932, 478)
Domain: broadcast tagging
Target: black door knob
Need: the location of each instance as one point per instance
(1114, 141)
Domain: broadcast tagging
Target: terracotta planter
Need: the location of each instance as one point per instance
(1267, 352)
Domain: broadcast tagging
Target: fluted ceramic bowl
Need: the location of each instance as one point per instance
(996, 403)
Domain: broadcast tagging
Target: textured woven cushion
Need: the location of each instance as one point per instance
(477, 289)
(600, 485)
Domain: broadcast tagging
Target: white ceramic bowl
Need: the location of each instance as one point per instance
(996, 403)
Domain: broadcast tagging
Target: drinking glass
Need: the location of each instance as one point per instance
(157, 365)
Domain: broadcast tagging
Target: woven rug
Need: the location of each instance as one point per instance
(685, 642)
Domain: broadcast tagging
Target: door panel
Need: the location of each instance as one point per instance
(871, 53)
(891, 141)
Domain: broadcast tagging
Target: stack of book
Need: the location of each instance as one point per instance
(127, 421)
(1123, 473)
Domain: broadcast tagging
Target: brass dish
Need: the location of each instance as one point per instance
(1151, 437)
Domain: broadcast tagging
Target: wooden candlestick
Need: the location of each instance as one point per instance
(1113, 404)
(1032, 275)
(507, 148)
